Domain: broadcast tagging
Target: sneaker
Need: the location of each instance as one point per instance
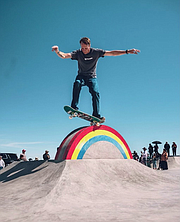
(102, 119)
(76, 108)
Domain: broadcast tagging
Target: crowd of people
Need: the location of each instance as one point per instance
(149, 157)
(152, 156)
(23, 157)
(46, 156)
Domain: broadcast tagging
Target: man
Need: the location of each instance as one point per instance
(23, 155)
(46, 155)
(164, 158)
(2, 163)
(135, 156)
(144, 156)
(167, 148)
(150, 149)
(87, 58)
(174, 148)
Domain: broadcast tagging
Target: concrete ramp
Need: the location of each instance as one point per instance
(93, 142)
(174, 162)
(88, 190)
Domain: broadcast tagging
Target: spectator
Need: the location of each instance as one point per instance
(2, 163)
(164, 157)
(141, 158)
(156, 148)
(23, 155)
(135, 156)
(148, 160)
(46, 155)
(174, 148)
(154, 158)
(36, 158)
(158, 155)
(167, 147)
(150, 149)
(144, 156)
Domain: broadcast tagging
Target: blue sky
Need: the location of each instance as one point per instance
(140, 94)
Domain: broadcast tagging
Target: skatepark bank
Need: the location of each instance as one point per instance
(89, 190)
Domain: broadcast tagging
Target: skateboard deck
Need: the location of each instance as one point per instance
(76, 113)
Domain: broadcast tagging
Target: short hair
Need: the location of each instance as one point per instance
(85, 40)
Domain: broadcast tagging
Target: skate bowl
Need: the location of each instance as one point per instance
(94, 142)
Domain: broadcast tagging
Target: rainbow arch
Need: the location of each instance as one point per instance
(76, 144)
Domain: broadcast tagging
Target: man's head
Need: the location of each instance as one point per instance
(85, 40)
(85, 45)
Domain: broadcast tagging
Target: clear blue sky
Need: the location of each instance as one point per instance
(140, 94)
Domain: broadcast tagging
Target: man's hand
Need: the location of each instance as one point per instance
(55, 48)
(133, 51)
(62, 55)
(121, 52)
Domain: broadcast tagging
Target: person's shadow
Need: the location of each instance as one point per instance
(21, 169)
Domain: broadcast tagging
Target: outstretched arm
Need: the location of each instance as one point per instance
(62, 55)
(121, 52)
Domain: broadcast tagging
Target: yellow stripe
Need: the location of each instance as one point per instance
(97, 133)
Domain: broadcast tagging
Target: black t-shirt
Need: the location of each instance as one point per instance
(87, 62)
(46, 156)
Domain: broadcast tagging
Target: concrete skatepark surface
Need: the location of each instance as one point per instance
(90, 190)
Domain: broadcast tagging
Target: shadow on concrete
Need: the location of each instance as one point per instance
(20, 169)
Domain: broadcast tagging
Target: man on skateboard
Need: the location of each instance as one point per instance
(87, 58)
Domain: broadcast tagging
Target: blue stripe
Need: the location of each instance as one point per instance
(97, 139)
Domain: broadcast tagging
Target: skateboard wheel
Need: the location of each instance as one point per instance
(70, 117)
(75, 115)
(97, 124)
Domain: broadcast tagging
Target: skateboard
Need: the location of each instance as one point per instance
(76, 113)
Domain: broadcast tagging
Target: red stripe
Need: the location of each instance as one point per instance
(75, 140)
(61, 145)
(66, 153)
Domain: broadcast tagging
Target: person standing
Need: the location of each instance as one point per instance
(164, 158)
(150, 149)
(156, 148)
(158, 156)
(87, 58)
(144, 156)
(154, 158)
(23, 155)
(167, 147)
(141, 157)
(46, 155)
(148, 160)
(135, 156)
(174, 148)
(2, 163)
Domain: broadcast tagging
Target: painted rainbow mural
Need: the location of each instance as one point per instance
(75, 144)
